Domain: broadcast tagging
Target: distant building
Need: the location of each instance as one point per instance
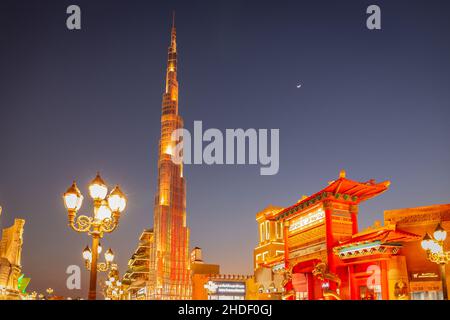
(199, 267)
(199, 272)
(209, 284)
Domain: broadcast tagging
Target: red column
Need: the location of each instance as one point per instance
(288, 285)
(286, 246)
(310, 280)
(330, 241)
(354, 217)
(352, 283)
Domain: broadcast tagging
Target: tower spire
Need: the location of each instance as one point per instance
(173, 38)
(173, 19)
(171, 76)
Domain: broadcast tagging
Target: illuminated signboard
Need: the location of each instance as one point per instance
(225, 288)
(307, 220)
(425, 276)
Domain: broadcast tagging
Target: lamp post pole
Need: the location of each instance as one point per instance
(93, 276)
(444, 280)
(91, 258)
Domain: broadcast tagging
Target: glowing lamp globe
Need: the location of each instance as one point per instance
(427, 242)
(99, 248)
(117, 200)
(97, 188)
(440, 234)
(87, 254)
(435, 247)
(73, 198)
(104, 212)
(109, 255)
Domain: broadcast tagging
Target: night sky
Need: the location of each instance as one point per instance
(376, 103)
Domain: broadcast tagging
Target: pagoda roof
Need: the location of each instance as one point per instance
(350, 190)
(361, 190)
(379, 235)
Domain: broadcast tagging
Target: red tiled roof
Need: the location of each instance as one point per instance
(360, 190)
(385, 234)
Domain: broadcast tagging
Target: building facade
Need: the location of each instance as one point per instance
(423, 277)
(268, 256)
(172, 269)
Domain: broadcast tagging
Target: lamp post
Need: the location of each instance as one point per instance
(107, 211)
(434, 246)
(101, 266)
(113, 286)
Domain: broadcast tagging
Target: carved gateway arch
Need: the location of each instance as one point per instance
(313, 227)
(319, 270)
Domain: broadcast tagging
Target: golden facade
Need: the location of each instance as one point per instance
(269, 254)
(423, 277)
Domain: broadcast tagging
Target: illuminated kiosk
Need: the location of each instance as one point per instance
(311, 229)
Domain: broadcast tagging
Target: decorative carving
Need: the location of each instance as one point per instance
(322, 272)
(287, 276)
(401, 290)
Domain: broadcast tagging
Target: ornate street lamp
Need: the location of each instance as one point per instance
(113, 289)
(434, 246)
(101, 266)
(107, 211)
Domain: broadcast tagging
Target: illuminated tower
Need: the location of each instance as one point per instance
(171, 233)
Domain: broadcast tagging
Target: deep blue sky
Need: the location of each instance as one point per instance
(376, 103)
